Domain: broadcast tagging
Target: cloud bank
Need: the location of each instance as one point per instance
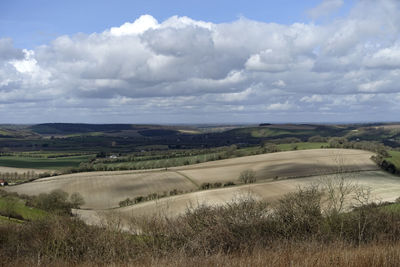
(183, 70)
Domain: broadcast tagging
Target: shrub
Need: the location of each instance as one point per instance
(270, 148)
(76, 200)
(229, 184)
(9, 207)
(205, 186)
(206, 230)
(299, 214)
(247, 176)
(55, 202)
(126, 202)
(217, 185)
(173, 192)
(317, 139)
(139, 199)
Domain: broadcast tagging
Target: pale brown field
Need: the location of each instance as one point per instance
(385, 187)
(21, 170)
(282, 165)
(391, 127)
(103, 190)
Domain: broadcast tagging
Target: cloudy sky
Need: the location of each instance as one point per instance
(199, 61)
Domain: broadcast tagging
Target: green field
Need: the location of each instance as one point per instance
(28, 213)
(5, 220)
(395, 207)
(42, 163)
(60, 160)
(395, 158)
(188, 160)
(260, 132)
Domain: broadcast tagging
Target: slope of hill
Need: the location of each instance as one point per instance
(103, 190)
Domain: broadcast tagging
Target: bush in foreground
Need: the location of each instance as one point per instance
(294, 230)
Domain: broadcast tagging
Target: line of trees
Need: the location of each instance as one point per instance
(386, 165)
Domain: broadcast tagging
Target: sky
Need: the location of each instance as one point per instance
(173, 62)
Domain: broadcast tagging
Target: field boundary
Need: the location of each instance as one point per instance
(187, 177)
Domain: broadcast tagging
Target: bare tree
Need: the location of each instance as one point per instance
(337, 187)
(247, 176)
(342, 192)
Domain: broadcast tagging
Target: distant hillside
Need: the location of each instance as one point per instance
(16, 131)
(69, 128)
(302, 131)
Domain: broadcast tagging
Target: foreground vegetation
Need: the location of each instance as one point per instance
(303, 228)
(32, 208)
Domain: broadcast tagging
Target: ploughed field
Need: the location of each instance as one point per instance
(104, 190)
(21, 170)
(385, 187)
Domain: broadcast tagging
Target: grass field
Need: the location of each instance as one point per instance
(28, 213)
(275, 131)
(59, 160)
(301, 146)
(5, 220)
(392, 207)
(42, 162)
(395, 158)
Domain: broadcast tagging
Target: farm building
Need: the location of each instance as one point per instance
(3, 182)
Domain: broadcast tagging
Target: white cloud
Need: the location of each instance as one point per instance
(279, 83)
(202, 68)
(269, 61)
(140, 25)
(372, 87)
(312, 99)
(325, 8)
(7, 50)
(388, 57)
(280, 106)
(240, 96)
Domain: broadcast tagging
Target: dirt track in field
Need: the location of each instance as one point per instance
(103, 190)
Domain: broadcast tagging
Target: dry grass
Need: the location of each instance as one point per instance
(298, 254)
